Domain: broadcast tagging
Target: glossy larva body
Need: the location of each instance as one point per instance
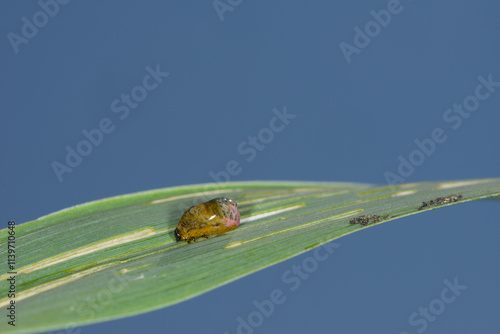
(216, 216)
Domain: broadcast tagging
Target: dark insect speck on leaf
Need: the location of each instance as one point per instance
(366, 220)
(440, 201)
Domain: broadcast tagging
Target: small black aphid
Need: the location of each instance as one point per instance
(366, 220)
(441, 201)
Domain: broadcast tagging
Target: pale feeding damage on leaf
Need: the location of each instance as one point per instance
(54, 284)
(298, 227)
(270, 213)
(107, 243)
(234, 244)
(447, 185)
(404, 193)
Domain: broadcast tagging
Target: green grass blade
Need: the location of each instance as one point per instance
(118, 257)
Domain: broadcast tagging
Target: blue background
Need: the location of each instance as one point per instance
(352, 122)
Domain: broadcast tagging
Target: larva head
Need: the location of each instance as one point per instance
(177, 235)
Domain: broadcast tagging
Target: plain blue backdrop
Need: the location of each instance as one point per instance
(356, 114)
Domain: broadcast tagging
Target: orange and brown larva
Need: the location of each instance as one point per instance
(216, 216)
